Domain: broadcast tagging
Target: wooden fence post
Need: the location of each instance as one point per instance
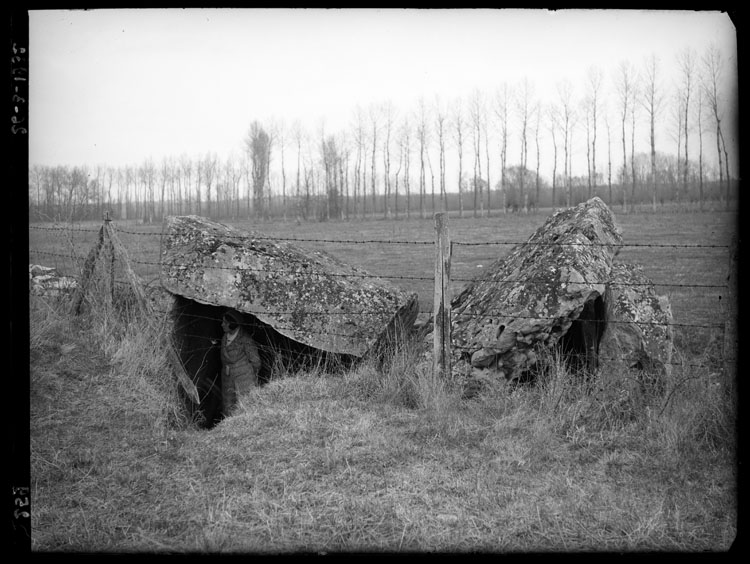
(730, 348)
(441, 332)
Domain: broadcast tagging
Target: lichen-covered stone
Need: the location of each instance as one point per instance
(47, 281)
(306, 295)
(532, 297)
(639, 328)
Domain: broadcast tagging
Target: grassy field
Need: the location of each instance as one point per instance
(388, 460)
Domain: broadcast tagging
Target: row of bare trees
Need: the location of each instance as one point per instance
(439, 155)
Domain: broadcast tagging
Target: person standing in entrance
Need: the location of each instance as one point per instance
(240, 361)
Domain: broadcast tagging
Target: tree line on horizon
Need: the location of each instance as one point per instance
(397, 166)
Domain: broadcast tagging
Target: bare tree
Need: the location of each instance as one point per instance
(358, 134)
(374, 127)
(209, 174)
(232, 175)
(186, 168)
(432, 182)
(624, 86)
(524, 105)
(553, 117)
(486, 123)
(476, 112)
(280, 135)
(458, 124)
(502, 103)
(147, 175)
(77, 192)
(63, 188)
(198, 179)
(402, 133)
(174, 184)
(440, 126)
(537, 114)
(344, 172)
(587, 123)
(677, 115)
(699, 119)
(633, 108)
(258, 147)
(119, 176)
(565, 92)
(571, 130)
(36, 175)
(609, 158)
(111, 175)
(72, 180)
(651, 100)
(422, 137)
(406, 131)
(268, 190)
(307, 173)
(388, 114)
(164, 177)
(686, 63)
(360, 163)
(131, 178)
(223, 188)
(98, 189)
(712, 74)
(297, 134)
(331, 158)
(595, 80)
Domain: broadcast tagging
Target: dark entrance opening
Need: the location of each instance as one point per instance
(580, 344)
(197, 336)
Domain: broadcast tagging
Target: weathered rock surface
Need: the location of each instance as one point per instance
(535, 295)
(47, 281)
(308, 296)
(639, 326)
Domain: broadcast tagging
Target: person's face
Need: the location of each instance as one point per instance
(225, 325)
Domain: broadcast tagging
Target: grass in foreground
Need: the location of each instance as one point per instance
(373, 461)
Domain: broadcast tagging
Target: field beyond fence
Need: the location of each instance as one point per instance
(346, 463)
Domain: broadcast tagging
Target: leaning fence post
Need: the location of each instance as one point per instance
(111, 250)
(135, 283)
(441, 333)
(88, 271)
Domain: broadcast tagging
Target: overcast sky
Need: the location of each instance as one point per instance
(116, 87)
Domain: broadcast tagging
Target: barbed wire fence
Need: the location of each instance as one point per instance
(67, 248)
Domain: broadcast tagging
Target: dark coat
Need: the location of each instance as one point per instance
(240, 359)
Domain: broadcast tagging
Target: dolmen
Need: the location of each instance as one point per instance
(562, 291)
(305, 309)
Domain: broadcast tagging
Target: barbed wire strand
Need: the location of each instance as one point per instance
(215, 342)
(398, 276)
(412, 278)
(258, 237)
(454, 315)
(176, 311)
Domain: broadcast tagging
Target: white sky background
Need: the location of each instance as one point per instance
(116, 87)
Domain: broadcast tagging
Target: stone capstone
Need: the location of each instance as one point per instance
(306, 295)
